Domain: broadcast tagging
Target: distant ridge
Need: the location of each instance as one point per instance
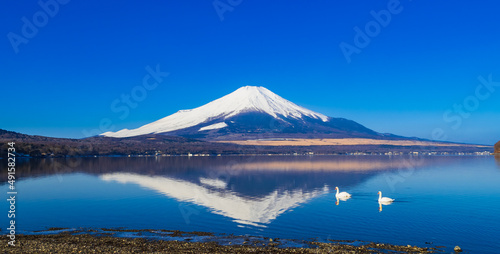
(159, 144)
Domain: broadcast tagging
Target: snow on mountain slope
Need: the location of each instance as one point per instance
(245, 99)
(213, 126)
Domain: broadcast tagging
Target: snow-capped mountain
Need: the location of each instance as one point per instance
(248, 112)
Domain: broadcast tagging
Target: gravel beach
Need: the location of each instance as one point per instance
(89, 243)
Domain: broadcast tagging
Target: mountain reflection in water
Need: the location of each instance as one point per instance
(275, 196)
(249, 190)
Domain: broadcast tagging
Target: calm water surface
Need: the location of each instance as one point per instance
(439, 200)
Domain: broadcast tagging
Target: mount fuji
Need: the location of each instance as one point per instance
(251, 112)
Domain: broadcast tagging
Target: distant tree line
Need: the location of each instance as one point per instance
(39, 146)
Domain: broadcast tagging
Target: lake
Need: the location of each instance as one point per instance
(439, 200)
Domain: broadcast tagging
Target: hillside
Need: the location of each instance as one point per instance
(497, 147)
(40, 146)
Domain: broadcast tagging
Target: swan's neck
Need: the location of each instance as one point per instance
(337, 191)
(379, 195)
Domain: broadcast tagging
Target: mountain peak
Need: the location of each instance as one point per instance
(259, 98)
(246, 99)
(253, 90)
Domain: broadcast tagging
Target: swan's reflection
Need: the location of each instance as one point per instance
(381, 203)
(341, 199)
(211, 193)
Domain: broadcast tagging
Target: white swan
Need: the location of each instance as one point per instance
(384, 200)
(342, 195)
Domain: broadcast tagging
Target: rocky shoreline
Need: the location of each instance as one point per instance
(120, 241)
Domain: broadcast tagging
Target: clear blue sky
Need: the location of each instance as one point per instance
(405, 80)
